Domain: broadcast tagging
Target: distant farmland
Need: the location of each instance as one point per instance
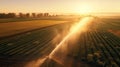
(11, 28)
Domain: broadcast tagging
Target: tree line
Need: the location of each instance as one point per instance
(23, 15)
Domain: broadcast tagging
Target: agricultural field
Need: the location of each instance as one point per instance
(99, 46)
(99, 49)
(113, 25)
(28, 46)
(12, 28)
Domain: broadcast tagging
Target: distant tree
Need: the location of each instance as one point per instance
(10, 15)
(27, 15)
(46, 14)
(40, 15)
(33, 14)
(2, 15)
(21, 15)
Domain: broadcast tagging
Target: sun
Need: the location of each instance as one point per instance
(84, 9)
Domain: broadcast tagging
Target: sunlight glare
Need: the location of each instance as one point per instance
(84, 9)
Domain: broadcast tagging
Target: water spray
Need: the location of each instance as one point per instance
(60, 52)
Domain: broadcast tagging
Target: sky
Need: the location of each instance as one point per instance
(59, 6)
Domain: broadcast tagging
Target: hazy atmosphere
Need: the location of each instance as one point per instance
(59, 6)
(59, 33)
